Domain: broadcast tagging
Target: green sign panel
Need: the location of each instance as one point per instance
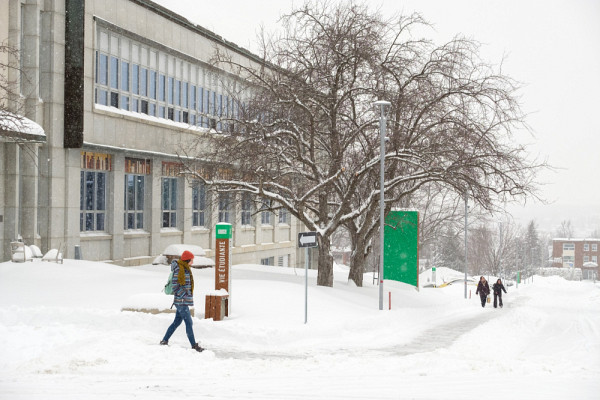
(401, 247)
(223, 231)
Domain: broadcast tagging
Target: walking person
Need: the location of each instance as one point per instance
(498, 287)
(483, 289)
(183, 288)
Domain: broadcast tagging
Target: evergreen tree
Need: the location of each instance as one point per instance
(450, 252)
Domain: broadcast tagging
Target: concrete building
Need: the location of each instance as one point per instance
(120, 87)
(577, 253)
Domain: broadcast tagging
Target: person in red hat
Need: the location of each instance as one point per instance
(183, 288)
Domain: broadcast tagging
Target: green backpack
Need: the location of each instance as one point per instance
(169, 286)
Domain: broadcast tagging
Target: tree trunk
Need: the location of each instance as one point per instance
(325, 274)
(358, 260)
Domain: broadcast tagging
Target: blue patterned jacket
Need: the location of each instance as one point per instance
(183, 293)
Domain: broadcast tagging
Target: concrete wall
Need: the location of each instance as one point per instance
(45, 208)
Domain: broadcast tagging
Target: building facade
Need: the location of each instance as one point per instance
(122, 88)
(577, 253)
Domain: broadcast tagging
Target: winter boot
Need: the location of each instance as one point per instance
(197, 348)
(164, 342)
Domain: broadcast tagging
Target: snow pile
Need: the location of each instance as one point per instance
(571, 274)
(175, 251)
(443, 276)
(61, 327)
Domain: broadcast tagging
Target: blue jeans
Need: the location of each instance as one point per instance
(182, 314)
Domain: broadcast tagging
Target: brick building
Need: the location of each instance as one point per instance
(577, 253)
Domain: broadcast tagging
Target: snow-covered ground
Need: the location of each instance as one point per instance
(63, 336)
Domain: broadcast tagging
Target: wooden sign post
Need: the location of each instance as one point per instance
(222, 256)
(218, 304)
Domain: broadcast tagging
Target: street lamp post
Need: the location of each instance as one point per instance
(381, 104)
(466, 252)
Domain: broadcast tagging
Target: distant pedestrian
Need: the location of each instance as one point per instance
(498, 287)
(483, 289)
(183, 288)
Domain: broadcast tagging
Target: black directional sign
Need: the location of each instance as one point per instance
(307, 239)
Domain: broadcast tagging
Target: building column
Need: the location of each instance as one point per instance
(153, 201)
(115, 210)
(11, 194)
(28, 201)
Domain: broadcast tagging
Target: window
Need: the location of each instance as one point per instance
(161, 87)
(199, 204)
(92, 190)
(595, 259)
(142, 79)
(283, 261)
(224, 205)
(265, 213)
(135, 178)
(568, 260)
(284, 216)
(267, 261)
(92, 205)
(135, 79)
(169, 202)
(586, 247)
(134, 202)
(246, 209)
(568, 246)
(125, 76)
(586, 259)
(594, 247)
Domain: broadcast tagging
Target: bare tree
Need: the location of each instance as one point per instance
(11, 123)
(307, 138)
(565, 230)
(493, 248)
(14, 127)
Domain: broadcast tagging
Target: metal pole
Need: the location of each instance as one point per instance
(466, 213)
(306, 287)
(381, 104)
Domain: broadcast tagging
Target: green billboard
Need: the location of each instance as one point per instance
(401, 247)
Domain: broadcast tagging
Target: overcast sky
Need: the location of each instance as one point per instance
(553, 47)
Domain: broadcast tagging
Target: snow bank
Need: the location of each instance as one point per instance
(61, 326)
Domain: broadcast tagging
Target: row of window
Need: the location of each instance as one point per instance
(138, 78)
(93, 192)
(586, 247)
(587, 258)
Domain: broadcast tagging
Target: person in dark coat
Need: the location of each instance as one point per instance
(183, 287)
(498, 287)
(483, 289)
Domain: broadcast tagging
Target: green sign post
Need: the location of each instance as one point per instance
(401, 247)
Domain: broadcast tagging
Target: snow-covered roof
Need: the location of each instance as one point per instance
(576, 240)
(18, 127)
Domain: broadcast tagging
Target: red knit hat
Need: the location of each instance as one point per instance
(187, 256)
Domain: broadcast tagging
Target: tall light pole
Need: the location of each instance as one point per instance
(381, 104)
(466, 252)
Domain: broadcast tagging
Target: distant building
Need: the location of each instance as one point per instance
(118, 89)
(577, 253)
